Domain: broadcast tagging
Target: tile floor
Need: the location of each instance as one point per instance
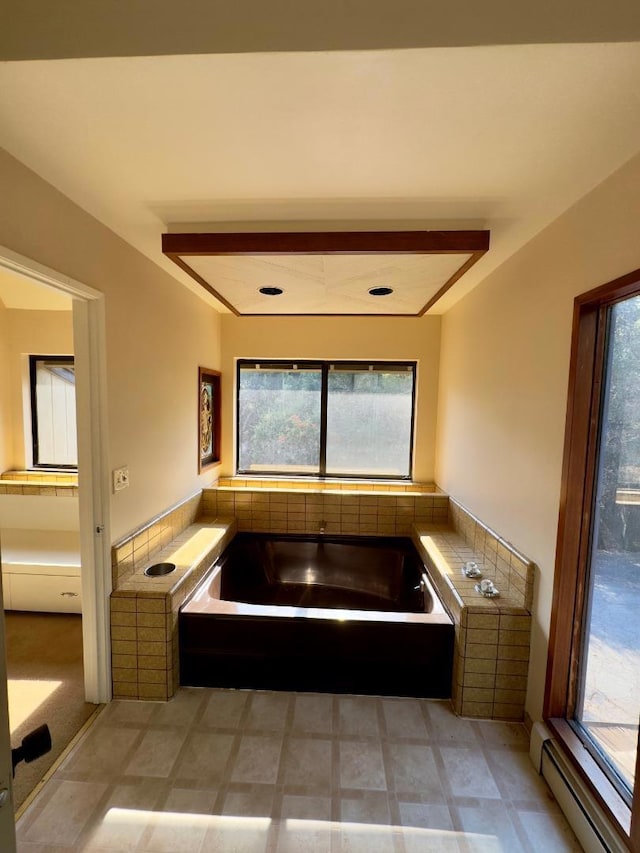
(218, 770)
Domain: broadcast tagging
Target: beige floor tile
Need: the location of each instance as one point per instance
(403, 719)
(269, 711)
(123, 819)
(549, 832)
(215, 766)
(103, 754)
(313, 713)
(258, 759)
(128, 711)
(425, 816)
(414, 770)
(257, 802)
(157, 753)
(305, 836)
(372, 838)
(181, 710)
(517, 779)
(204, 757)
(468, 774)
(362, 766)
(224, 709)
(182, 824)
(358, 715)
(306, 808)
(503, 734)
(237, 834)
(490, 828)
(431, 840)
(445, 727)
(66, 814)
(373, 808)
(308, 763)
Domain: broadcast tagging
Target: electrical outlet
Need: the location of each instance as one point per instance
(120, 478)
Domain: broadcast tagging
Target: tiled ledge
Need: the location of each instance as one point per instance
(144, 612)
(134, 551)
(491, 657)
(39, 483)
(309, 484)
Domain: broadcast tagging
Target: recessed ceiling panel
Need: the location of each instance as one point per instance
(322, 274)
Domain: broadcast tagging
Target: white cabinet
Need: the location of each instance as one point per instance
(52, 593)
(41, 570)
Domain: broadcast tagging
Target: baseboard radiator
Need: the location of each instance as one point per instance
(582, 811)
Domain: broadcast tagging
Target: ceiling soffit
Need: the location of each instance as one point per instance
(327, 273)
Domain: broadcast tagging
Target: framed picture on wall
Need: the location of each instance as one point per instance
(208, 418)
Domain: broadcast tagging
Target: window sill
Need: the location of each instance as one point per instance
(615, 808)
(327, 484)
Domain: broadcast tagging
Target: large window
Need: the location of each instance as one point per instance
(593, 681)
(53, 411)
(333, 419)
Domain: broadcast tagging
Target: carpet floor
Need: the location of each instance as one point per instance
(46, 685)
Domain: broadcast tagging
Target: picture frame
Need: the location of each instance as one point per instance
(208, 418)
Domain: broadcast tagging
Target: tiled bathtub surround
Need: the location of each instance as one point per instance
(511, 570)
(303, 510)
(491, 658)
(134, 551)
(144, 613)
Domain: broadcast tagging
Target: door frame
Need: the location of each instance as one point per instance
(94, 497)
(584, 399)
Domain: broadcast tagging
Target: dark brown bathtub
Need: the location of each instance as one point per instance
(343, 614)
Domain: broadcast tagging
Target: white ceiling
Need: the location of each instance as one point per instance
(504, 138)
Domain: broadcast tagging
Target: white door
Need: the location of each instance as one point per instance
(7, 826)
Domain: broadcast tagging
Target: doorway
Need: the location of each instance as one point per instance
(93, 494)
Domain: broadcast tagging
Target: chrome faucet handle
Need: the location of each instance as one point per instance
(471, 570)
(487, 588)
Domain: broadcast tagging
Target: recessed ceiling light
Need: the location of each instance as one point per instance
(380, 291)
(271, 291)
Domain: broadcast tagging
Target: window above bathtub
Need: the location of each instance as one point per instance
(326, 418)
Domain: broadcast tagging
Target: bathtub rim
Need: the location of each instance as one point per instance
(201, 601)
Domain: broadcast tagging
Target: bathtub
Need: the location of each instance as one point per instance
(325, 613)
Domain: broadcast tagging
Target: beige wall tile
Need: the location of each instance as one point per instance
(125, 619)
(122, 675)
(504, 711)
(123, 633)
(485, 665)
(153, 691)
(477, 694)
(515, 638)
(476, 709)
(125, 690)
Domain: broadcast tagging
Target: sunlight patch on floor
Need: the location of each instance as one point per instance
(26, 696)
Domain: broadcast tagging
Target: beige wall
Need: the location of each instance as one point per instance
(503, 381)
(6, 439)
(37, 333)
(157, 334)
(340, 338)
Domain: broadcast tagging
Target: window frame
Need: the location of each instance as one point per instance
(324, 365)
(35, 443)
(583, 422)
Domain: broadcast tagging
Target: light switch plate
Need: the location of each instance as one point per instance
(120, 478)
